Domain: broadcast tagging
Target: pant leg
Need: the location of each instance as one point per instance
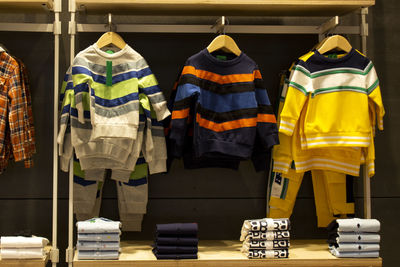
(87, 195)
(132, 198)
(284, 191)
(339, 189)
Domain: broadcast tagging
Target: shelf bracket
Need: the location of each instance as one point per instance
(111, 27)
(69, 255)
(327, 27)
(54, 255)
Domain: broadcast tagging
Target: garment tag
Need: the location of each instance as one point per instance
(221, 57)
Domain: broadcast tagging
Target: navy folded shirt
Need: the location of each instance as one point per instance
(173, 256)
(177, 229)
(176, 249)
(177, 241)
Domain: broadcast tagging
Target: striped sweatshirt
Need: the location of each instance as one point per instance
(230, 107)
(341, 94)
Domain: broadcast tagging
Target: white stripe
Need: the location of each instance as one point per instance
(338, 79)
(339, 137)
(355, 166)
(281, 163)
(287, 123)
(284, 128)
(279, 169)
(329, 166)
(343, 142)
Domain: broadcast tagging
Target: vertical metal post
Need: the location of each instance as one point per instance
(70, 250)
(54, 253)
(366, 179)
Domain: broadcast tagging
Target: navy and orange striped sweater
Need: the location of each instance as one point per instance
(228, 106)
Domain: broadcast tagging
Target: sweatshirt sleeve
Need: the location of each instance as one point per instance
(297, 94)
(64, 134)
(374, 93)
(266, 120)
(149, 86)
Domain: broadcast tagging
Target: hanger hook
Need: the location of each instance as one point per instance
(109, 22)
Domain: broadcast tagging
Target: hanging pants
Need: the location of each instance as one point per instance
(132, 196)
(332, 195)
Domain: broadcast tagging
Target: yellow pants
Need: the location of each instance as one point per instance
(330, 195)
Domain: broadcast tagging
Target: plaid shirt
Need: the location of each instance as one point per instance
(16, 122)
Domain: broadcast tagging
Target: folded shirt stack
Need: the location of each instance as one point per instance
(98, 239)
(176, 241)
(20, 247)
(354, 238)
(266, 238)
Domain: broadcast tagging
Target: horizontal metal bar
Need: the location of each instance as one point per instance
(249, 29)
(26, 27)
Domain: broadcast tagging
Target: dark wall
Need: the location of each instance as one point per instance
(216, 198)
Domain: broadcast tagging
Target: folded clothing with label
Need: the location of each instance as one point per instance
(177, 229)
(263, 225)
(357, 254)
(23, 242)
(354, 225)
(353, 247)
(22, 253)
(98, 255)
(352, 237)
(262, 244)
(177, 241)
(267, 254)
(99, 237)
(98, 225)
(268, 235)
(93, 245)
(176, 249)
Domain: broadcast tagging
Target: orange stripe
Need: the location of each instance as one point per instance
(266, 118)
(225, 126)
(257, 74)
(180, 114)
(221, 79)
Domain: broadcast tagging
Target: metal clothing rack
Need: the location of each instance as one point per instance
(55, 28)
(330, 26)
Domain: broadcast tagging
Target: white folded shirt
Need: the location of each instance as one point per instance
(98, 255)
(352, 237)
(358, 225)
(90, 245)
(356, 254)
(353, 247)
(268, 235)
(265, 245)
(23, 242)
(22, 253)
(98, 225)
(99, 237)
(263, 225)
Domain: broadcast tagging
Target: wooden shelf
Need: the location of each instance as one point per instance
(226, 7)
(27, 263)
(25, 5)
(304, 253)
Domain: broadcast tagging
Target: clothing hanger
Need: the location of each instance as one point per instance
(224, 42)
(111, 37)
(334, 42)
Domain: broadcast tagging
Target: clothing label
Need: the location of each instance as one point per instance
(220, 57)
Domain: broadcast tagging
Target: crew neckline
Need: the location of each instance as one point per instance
(222, 62)
(107, 55)
(324, 58)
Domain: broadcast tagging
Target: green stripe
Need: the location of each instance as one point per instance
(139, 172)
(78, 171)
(85, 103)
(337, 72)
(338, 88)
(299, 87)
(109, 73)
(148, 81)
(284, 188)
(303, 71)
(373, 86)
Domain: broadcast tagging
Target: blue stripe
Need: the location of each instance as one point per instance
(83, 182)
(143, 73)
(83, 87)
(228, 102)
(66, 109)
(140, 160)
(117, 101)
(81, 70)
(66, 77)
(150, 90)
(262, 97)
(136, 182)
(186, 90)
(147, 113)
(74, 113)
